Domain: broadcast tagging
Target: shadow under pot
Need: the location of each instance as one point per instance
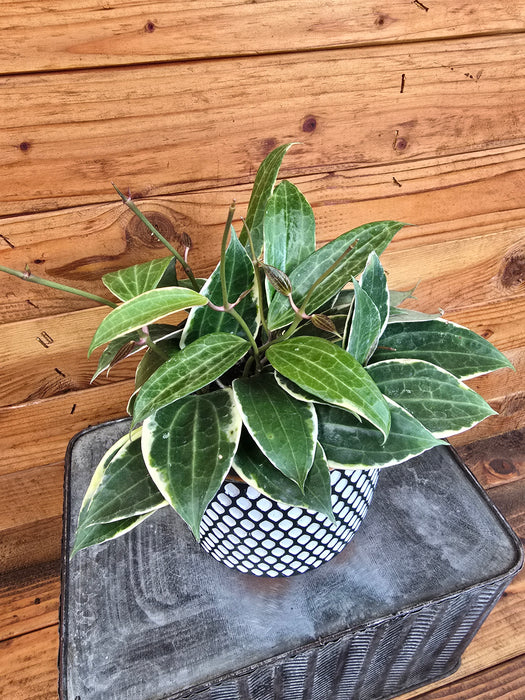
(254, 534)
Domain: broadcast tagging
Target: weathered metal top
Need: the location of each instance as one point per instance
(134, 605)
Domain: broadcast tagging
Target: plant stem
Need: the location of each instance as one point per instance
(242, 323)
(152, 345)
(258, 281)
(29, 277)
(131, 205)
(222, 269)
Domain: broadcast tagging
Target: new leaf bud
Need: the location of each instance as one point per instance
(324, 323)
(278, 279)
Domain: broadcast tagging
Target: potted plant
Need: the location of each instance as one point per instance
(264, 417)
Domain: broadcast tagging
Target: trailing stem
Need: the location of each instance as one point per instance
(29, 277)
(131, 205)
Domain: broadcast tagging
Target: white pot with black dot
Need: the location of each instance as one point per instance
(250, 532)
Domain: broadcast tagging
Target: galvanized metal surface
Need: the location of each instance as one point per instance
(151, 616)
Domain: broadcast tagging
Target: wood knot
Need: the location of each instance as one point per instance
(138, 233)
(309, 124)
(501, 468)
(512, 270)
(268, 145)
(24, 146)
(382, 20)
(149, 26)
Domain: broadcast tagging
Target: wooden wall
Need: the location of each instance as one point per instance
(403, 109)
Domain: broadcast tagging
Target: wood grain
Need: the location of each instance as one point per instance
(33, 544)
(47, 357)
(58, 419)
(28, 666)
(496, 460)
(104, 34)
(504, 681)
(469, 209)
(65, 138)
(29, 599)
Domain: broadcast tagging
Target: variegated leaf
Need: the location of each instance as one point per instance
(198, 364)
(257, 471)
(284, 429)
(188, 447)
(443, 343)
(442, 403)
(349, 444)
(333, 375)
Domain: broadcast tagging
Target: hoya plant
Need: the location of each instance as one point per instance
(292, 361)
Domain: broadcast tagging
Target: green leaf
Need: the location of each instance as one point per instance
(189, 446)
(120, 493)
(374, 283)
(331, 374)
(340, 304)
(454, 348)
(374, 236)
(295, 390)
(192, 368)
(366, 326)
(398, 297)
(349, 444)
(132, 281)
(103, 532)
(110, 354)
(289, 230)
(102, 465)
(239, 277)
(122, 489)
(443, 404)
(152, 360)
(257, 471)
(401, 315)
(284, 429)
(143, 310)
(261, 192)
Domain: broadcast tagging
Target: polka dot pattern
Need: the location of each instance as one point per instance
(249, 532)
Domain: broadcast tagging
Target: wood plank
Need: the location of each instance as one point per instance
(29, 599)
(31, 544)
(48, 357)
(127, 33)
(448, 199)
(496, 460)
(28, 666)
(502, 681)
(42, 487)
(58, 419)
(460, 274)
(61, 145)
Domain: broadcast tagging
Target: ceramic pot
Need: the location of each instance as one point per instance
(250, 532)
